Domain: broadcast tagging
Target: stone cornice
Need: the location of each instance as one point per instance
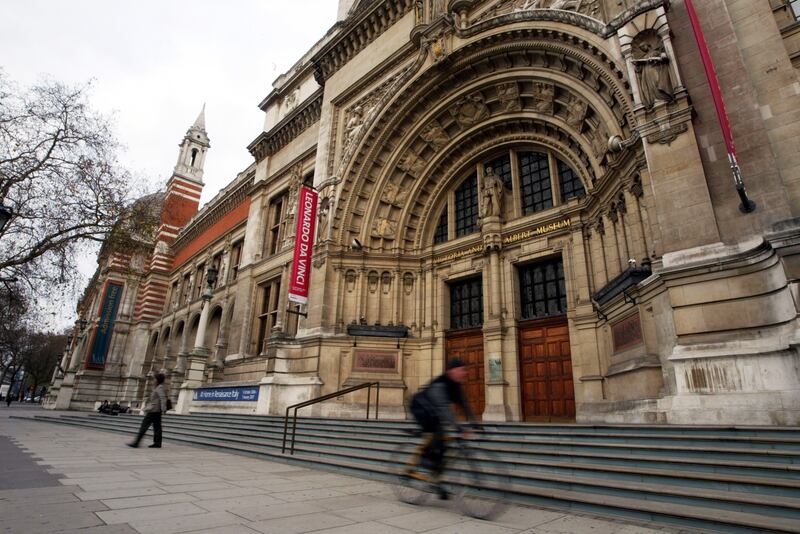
(359, 31)
(598, 27)
(225, 202)
(299, 120)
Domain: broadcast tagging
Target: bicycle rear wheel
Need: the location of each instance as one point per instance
(476, 478)
(412, 484)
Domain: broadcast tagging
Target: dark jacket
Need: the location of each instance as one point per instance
(437, 398)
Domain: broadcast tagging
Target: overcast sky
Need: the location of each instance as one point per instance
(154, 63)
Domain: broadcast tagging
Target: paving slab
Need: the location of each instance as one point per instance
(96, 485)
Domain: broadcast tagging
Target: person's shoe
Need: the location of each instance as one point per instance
(133, 445)
(416, 475)
(154, 446)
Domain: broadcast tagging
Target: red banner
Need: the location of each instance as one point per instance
(304, 241)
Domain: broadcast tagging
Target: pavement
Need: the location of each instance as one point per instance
(71, 480)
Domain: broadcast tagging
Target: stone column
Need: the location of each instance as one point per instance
(638, 245)
(397, 306)
(361, 295)
(197, 361)
(598, 256)
(611, 247)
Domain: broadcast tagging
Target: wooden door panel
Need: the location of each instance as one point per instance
(546, 370)
(468, 347)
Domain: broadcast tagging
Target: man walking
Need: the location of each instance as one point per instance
(155, 407)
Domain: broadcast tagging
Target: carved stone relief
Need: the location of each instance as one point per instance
(575, 110)
(470, 109)
(323, 218)
(599, 141)
(372, 281)
(393, 194)
(408, 283)
(587, 7)
(386, 282)
(384, 228)
(412, 164)
(434, 134)
(350, 281)
(508, 95)
(543, 95)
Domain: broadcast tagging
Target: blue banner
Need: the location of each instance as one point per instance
(227, 394)
(108, 314)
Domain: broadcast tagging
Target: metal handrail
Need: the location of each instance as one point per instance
(299, 405)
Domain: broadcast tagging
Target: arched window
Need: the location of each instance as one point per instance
(193, 157)
(569, 183)
(534, 176)
(538, 178)
(466, 204)
(440, 235)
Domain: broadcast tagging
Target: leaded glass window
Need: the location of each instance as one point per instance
(440, 236)
(543, 292)
(569, 183)
(502, 168)
(466, 304)
(467, 206)
(534, 174)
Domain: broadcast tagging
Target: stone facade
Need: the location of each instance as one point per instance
(538, 187)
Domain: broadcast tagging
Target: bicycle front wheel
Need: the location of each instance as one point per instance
(476, 478)
(412, 483)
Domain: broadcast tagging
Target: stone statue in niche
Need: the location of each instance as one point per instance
(434, 134)
(393, 194)
(354, 125)
(543, 95)
(652, 69)
(469, 109)
(384, 228)
(508, 95)
(386, 283)
(323, 216)
(295, 181)
(576, 109)
(372, 281)
(491, 194)
(418, 14)
(408, 284)
(350, 279)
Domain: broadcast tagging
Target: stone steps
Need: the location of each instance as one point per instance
(747, 482)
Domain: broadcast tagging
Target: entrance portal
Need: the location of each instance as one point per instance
(467, 345)
(548, 393)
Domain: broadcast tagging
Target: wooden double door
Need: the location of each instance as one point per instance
(467, 346)
(548, 392)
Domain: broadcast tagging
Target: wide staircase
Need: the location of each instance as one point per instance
(721, 479)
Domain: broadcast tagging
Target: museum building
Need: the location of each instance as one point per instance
(545, 189)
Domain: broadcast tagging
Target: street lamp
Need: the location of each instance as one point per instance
(5, 216)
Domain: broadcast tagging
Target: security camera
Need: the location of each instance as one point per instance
(355, 245)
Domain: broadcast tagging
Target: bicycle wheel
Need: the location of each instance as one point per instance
(412, 481)
(476, 478)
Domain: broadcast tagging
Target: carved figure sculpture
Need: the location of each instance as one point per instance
(508, 95)
(469, 110)
(323, 216)
(543, 95)
(383, 227)
(354, 125)
(418, 12)
(652, 67)
(412, 164)
(575, 109)
(492, 194)
(434, 134)
(393, 194)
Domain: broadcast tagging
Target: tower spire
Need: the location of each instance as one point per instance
(192, 154)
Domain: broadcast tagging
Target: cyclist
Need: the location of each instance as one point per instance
(432, 408)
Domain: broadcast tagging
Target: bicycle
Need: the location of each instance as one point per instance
(473, 476)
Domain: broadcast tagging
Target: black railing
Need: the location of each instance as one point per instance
(297, 406)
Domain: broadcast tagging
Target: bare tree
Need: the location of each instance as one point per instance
(40, 357)
(14, 313)
(60, 175)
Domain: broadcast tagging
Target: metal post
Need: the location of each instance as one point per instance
(377, 399)
(285, 430)
(294, 429)
(747, 205)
